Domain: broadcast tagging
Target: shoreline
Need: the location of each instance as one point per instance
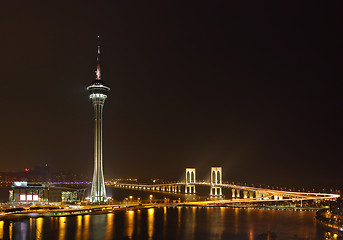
(106, 209)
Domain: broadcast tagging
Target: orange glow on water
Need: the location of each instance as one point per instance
(78, 227)
(62, 228)
(11, 230)
(1, 229)
(39, 228)
(130, 221)
(151, 216)
(110, 227)
(86, 227)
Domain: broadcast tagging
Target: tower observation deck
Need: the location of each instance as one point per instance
(98, 94)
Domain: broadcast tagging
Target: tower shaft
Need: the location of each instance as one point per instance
(98, 192)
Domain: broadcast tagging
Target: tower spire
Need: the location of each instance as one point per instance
(98, 70)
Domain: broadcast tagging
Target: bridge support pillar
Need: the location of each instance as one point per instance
(233, 193)
(216, 191)
(190, 189)
(258, 195)
(190, 181)
(278, 197)
(245, 194)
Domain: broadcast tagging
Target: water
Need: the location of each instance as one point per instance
(169, 223)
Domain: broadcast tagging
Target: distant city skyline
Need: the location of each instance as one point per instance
(250, 87)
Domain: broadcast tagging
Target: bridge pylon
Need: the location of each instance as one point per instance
(216, 178)
(235, 193)
(190, 181)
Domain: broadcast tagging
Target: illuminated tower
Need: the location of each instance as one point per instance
(98, 94)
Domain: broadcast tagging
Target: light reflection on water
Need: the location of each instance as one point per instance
(139, 219)
(110, 227)
(130, 218)
(151, 219)
(62, 228)
(217, 223)
(236, 220)
(165, 212)
(1, 229)
(11, 230)
(178, 221)
(168, 223)
(39, 228)
(86, 229)
(78, 227)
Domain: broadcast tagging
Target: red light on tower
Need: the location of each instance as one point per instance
(26, 169)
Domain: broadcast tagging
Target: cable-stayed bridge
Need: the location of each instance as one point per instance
(239, 193)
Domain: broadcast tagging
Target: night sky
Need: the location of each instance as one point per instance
(250, 86)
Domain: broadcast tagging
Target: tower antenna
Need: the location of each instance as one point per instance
(98, 70)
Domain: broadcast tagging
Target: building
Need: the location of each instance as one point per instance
(24, 193)
(98, 94)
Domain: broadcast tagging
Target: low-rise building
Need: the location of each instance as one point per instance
(24, 193)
